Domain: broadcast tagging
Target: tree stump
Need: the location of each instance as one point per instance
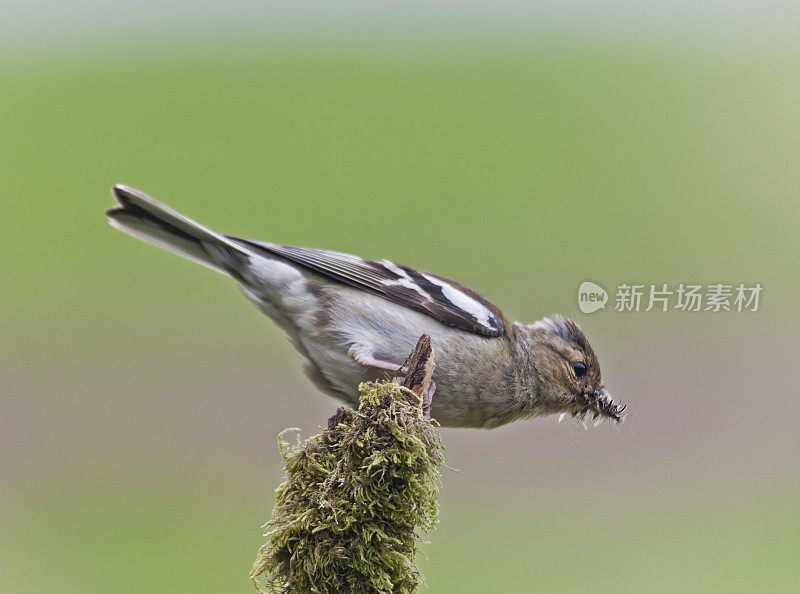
(420, 365)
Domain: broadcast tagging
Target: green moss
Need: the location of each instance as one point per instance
(349, 514)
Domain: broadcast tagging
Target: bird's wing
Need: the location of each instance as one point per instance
(448, 301)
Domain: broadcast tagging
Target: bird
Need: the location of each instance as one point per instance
(354, 319)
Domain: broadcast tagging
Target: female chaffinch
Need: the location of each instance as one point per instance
(354, 319)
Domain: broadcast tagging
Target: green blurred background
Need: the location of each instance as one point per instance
(140, 395)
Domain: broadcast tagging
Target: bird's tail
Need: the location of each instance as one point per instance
(147, 219)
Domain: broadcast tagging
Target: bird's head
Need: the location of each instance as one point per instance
(569, 379)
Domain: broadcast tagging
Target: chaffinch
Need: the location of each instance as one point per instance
(355, 319)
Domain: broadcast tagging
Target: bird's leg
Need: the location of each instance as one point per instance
(415, 373)
(367, 360)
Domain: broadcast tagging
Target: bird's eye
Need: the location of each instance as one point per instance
(579, 369)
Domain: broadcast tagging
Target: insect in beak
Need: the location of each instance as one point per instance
(601, 405)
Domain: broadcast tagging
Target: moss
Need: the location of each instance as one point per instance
(349, 516)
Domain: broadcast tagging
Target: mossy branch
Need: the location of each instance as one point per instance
(349, 516)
